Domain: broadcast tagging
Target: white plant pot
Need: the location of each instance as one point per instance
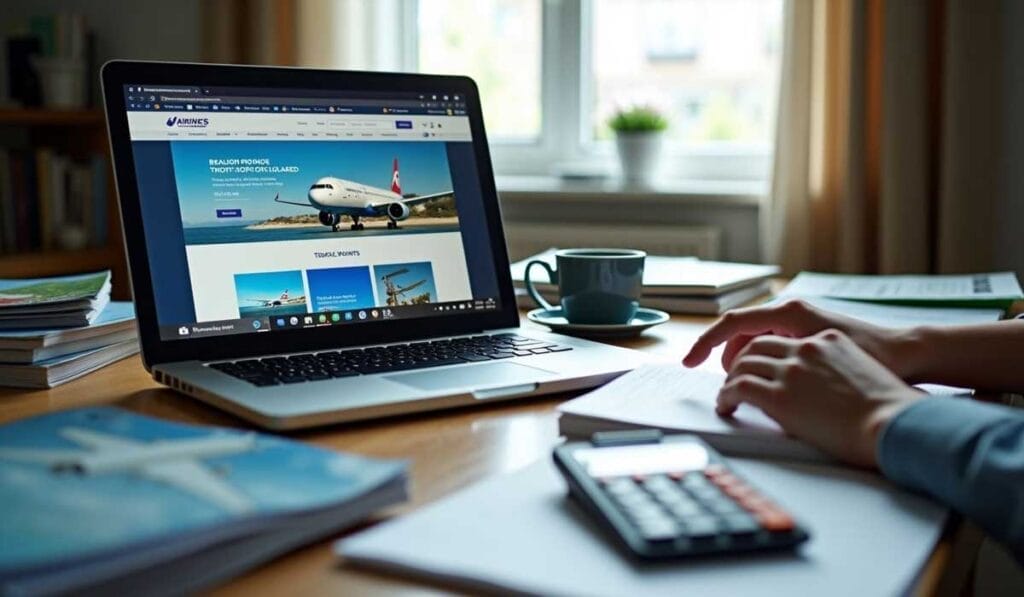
(63, 81)
(639, 156)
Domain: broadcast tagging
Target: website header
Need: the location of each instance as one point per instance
(184, 126)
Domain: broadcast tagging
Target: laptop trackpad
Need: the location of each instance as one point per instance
(488, 375)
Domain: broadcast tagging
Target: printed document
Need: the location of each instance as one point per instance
(967, 288)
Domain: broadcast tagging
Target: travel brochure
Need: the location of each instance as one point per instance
(53, 292)
(53, 330)
(62, 301)
(100, 499)
(53, 371)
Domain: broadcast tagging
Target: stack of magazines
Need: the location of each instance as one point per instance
(53, 330)
(102, 501)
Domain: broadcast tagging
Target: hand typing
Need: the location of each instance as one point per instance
(797, 319)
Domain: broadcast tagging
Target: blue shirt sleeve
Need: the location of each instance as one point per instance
(967, 454)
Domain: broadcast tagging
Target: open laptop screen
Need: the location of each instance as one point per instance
(268, 209)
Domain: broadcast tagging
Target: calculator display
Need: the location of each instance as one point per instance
(643, 459)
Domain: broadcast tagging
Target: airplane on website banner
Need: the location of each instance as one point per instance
(178, 462)
(284, 299)
(337, 197)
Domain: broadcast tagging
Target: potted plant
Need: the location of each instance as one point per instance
(638, 136)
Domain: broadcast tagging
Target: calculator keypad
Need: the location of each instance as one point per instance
(702, 512)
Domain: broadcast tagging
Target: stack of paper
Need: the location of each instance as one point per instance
(986, 290)
(64, 301)
(676, 284)
(101, 501)
(44, 358)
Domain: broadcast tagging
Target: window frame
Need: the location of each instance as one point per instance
(566, 97)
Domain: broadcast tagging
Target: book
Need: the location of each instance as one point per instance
(672, 276)
(50, 200)
(104, 501)
(116, 323)
(62, 369)
(984, 290)
(703, 305)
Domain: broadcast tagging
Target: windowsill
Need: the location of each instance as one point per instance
(719, 192)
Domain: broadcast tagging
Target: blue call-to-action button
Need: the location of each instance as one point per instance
(229, 213)
(403, 124)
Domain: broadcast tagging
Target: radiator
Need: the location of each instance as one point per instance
(525, 239)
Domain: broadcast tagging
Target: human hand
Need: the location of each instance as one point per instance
(823, 389)
(797, 319)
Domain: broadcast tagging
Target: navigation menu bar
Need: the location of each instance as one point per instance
(184, 126)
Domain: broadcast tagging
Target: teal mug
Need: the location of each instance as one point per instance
(595, 286)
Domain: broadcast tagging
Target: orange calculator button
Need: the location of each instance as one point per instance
(775, 521)
(754, 502)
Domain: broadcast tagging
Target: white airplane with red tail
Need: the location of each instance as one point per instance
(337, 197)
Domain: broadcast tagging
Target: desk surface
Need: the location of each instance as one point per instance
(448, 450)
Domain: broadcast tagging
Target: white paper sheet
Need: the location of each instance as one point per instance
(900, 316)
(519, 533)
(672, 398)
(967, 287)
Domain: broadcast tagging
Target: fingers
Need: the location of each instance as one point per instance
(733, 347)
(793, 318)
(756, 391)
(769, 346)
(759, 366)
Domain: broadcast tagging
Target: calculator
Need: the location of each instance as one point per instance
(672, 496)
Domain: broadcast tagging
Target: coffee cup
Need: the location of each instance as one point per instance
(595, 286)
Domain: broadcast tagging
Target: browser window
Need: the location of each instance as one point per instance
(269, 209)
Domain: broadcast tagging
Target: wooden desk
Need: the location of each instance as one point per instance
(448, 450)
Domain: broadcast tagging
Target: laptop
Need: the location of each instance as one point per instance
(310, 247)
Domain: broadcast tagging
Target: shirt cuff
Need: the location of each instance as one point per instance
(922, 446)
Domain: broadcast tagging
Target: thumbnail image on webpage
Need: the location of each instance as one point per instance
(284, 228)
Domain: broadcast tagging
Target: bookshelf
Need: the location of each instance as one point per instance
(79, 134)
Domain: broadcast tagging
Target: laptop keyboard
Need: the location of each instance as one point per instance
(318, 366)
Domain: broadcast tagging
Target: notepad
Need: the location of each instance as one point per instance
(519, 534)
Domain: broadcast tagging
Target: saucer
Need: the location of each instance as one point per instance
(644, 318)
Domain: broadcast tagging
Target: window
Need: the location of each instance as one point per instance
(498, 43)
(711, 65)
(551, 72)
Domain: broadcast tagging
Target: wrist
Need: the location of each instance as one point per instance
(880, 418)
(911, 352)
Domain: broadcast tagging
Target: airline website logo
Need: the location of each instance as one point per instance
(187, 122)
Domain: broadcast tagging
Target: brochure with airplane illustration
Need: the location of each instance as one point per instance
(94, 495)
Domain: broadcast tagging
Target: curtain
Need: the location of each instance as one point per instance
(893, 153)
(347, 34)
(249, 31)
